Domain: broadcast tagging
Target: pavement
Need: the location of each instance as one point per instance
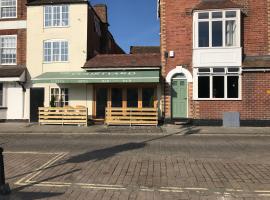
(137, 166)
(32, 128)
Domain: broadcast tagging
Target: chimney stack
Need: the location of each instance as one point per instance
(101, 10)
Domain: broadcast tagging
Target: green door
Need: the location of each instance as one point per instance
(179, 98)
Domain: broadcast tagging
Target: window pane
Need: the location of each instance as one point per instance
(232, 85)
(148, 97)
(47, 51)
(217, 15)
(230, 33)
(217, 34)
(132, 98)
(204, 70)
(116, 97)
(203, 34)
(56, 16)
(56, 51)
(64, 51)
(233, 70)
(48, 16)
(1, 94)
(204, 15)
(218, 86)
(204, 87)
(64, 15)
(231, 14)
(218, 70)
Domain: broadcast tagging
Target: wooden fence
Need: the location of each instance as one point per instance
(65, 115)
(132, 116)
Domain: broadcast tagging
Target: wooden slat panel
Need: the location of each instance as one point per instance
(132, 116)
(66, 115)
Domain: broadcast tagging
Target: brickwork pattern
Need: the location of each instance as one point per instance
(176, 34)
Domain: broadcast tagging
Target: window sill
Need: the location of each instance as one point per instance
(55, 62)
(218, 99)
(49, 27)
(231, 47)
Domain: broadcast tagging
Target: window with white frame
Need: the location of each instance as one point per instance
(217, 28)
(55, 51)
(8, 9)
(218, 83)
(59, 97)
(8, 49)
(1, 95)
(56, 16)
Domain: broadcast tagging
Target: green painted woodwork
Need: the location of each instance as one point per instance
(179, 98)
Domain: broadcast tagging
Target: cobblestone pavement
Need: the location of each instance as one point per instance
(137, 167)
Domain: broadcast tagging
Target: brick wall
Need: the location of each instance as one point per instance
(176, 34)
(254, 104)
(21, 43)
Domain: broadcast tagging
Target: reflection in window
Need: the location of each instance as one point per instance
(203, 86)
(148, 97)
(117, 97)
(217, 34)
(59, 97)
(132, 98)
(230, 33)
(218, 87)
(232, 85)
(203, 34)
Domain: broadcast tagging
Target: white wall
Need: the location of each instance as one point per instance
(217, 57)
(14, 101)
(79, 94)
(75, 34)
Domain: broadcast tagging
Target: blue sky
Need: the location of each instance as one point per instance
(132, 22)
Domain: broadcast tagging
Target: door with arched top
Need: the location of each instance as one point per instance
(179, 97)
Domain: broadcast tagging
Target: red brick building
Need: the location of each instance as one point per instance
(216, 59)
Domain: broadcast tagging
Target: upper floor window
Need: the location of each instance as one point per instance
(55, 51)
(56, 16)
(8, 50)
(217, 28)
(8, 9)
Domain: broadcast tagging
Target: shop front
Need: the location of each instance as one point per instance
(101, 89)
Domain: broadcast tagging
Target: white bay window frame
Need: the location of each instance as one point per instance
(54, 54)
(211, 74)
(8, 6)
(3, 48)
(196, 21)
(55, 16)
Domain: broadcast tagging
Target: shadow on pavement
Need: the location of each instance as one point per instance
(30, 195)
(105, 153)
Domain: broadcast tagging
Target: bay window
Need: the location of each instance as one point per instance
(8, 50)
(55, 51)
(217, 83)
(8, 9)
(56, 16)
(217, 28)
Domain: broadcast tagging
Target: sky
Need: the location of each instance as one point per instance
(133, 22)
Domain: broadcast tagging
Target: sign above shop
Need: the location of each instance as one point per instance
(135, 76)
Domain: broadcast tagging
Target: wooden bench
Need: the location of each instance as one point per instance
(132, 116)
(64, 116)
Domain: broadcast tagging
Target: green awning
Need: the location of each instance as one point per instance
(131, 76)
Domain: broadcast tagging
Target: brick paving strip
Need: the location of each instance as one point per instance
(176, 174)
